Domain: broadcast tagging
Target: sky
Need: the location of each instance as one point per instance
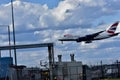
(50, 3)
(44, 21)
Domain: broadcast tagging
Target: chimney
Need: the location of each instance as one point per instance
(59, 58)
(72, 57)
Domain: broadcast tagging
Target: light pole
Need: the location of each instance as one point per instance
(9, 39)
(14, 41)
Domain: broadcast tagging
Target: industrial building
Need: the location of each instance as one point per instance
(71, 70)
(62, 70)
(24, 73)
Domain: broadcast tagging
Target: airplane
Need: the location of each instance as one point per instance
(111, 31)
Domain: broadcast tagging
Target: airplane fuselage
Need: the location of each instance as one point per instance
(90, 38)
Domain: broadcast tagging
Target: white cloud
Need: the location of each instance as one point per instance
(77, 17)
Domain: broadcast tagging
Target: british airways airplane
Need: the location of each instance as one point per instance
(111, 31)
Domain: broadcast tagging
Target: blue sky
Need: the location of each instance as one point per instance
(50, 3)
(39, 23)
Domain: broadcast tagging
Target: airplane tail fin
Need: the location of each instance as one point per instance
(112, 29)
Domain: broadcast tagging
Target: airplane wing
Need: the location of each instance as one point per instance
(88, 38)
(67, 39)
(94, 34)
